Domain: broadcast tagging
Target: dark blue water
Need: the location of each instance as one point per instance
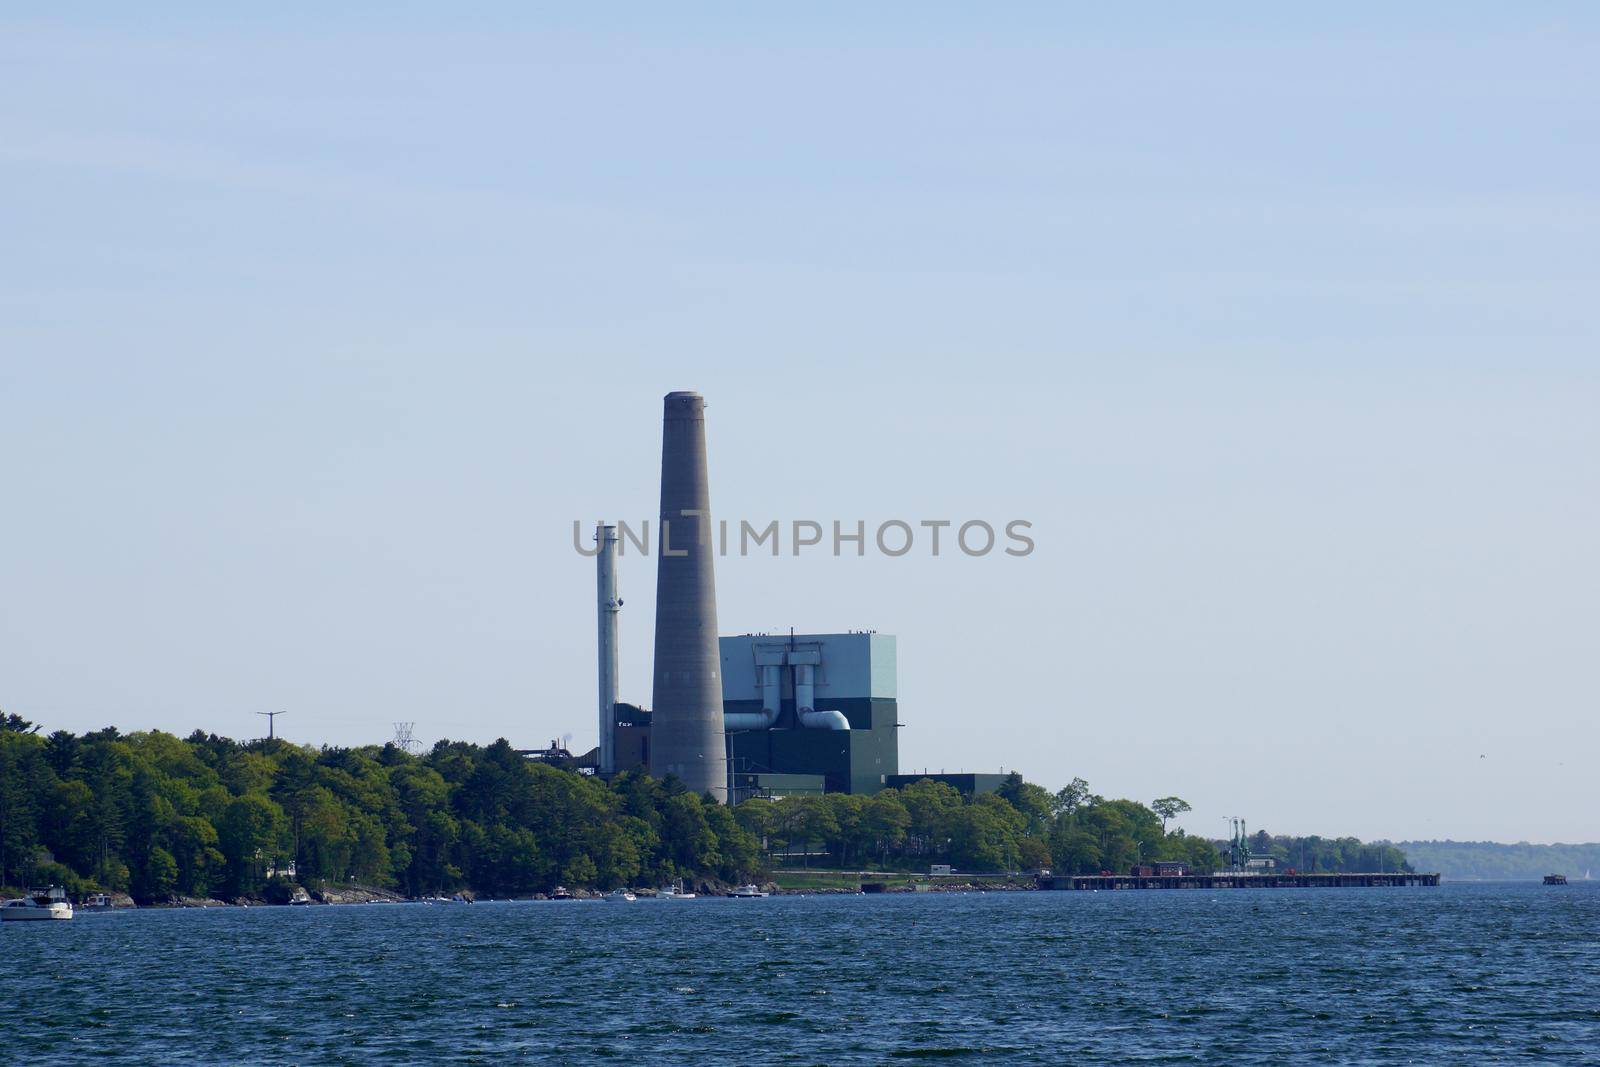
(1459, 973)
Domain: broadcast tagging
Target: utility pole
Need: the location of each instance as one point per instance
(272, 720)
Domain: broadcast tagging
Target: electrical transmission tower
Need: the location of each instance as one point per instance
(403, 739)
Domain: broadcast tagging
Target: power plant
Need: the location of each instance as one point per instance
(737, 716)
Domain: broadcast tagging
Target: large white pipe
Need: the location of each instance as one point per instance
(805, 688)
(824, 720)
(608, 605)
(803, 663)
(771, 701)
(772, 687)
(805, 702)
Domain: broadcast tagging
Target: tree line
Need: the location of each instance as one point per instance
(1496, 861)
(1020, 827)
(159, 816)
(1327, 855)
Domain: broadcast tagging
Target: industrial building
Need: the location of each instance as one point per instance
(751, 715)
(822, 705)
(802, 713)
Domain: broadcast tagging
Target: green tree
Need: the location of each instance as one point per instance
(686, 836)
(1034, 853)
(61, 752)
(1072, 796)
(933, 808)
(1169, 808)
(850, 840)
(884, 821)
(161, 872)
(580, 871)
(201, 865)
(248, 839)
(737, 847)
(756, 816)
(803, 823)
(1034, 802)
(986, 835)
(23, 777)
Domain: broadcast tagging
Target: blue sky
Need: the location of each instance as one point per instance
(316, 333)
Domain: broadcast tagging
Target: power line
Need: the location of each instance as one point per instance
(403, 739)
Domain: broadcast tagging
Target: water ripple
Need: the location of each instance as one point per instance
(1454, 974)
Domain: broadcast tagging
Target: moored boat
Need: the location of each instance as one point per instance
(745, 891)
(49, 903)
(621, 894)
(1555, 879)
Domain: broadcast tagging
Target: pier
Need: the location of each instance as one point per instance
(1237, 880)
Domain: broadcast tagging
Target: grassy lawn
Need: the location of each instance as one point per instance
(818, 880)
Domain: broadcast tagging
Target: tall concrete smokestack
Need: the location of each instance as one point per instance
(686, 735)
(607, 604)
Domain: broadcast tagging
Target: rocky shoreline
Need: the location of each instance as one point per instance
(285, 895)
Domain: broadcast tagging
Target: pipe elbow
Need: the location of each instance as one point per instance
(824, 720)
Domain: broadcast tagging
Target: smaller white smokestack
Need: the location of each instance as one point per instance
(607, 605)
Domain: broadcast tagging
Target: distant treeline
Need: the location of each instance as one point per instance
(1336, 855)
(1492, 861)
(156, 816)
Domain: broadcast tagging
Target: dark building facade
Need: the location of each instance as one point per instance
(963, 783)
(849, 681)
(850, 761)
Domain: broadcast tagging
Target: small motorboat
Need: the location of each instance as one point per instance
(1555, 879)
(673, 892)
(95, 902)
(621, 894)
(747, 891)
(49, 903)
(561, 892)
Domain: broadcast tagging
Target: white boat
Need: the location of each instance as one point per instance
(95, 902)
(673, 892)
(747, 891)
(49, 903)
(620, 894)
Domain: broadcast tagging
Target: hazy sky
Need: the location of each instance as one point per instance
(316, 334)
